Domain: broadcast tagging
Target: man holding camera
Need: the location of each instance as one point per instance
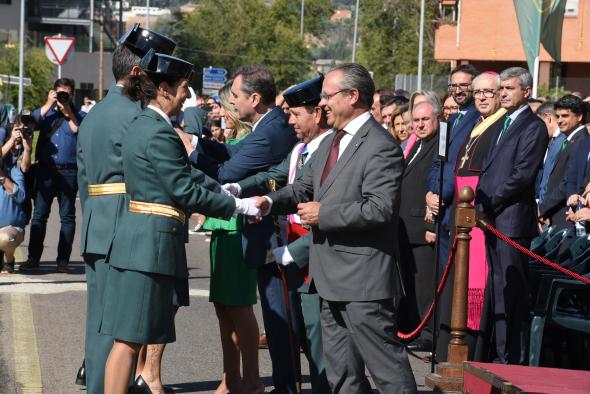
(55, 173)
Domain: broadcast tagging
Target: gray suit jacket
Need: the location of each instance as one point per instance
(354, 251)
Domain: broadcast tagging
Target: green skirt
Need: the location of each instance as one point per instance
(139, 307)
(231, 282)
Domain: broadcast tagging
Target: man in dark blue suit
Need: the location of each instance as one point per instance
(271, 140)
(571, 113)
(547, 113)
(506, 196)
(460, 125)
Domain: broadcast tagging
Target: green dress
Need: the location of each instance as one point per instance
(231, 283)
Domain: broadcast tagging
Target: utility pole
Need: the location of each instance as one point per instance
(302, 15)
(21, 56)
(101, 58)
(147, 15)
(420, 46)
(356, 27)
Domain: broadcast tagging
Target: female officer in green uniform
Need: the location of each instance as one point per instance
(148, 274)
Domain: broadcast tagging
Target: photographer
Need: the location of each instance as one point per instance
(12, 215)
(19, 141)
(55, 173)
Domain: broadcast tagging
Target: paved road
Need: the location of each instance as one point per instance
(42, 328)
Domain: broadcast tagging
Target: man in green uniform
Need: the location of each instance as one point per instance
(102, 191)
(309, 122)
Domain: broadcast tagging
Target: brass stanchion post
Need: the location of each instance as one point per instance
(449, 375)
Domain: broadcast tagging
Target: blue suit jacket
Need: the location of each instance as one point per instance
(456, 140)
(506, 188)
(577, 169)
(266, 146)
(552, 152)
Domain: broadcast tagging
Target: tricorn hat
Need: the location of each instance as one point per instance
(305, 94)
(162, 64)
(140, 41)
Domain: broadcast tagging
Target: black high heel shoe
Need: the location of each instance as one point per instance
(141, 387)
(81, 375)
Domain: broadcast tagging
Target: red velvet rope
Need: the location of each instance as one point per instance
(439, 289)
(535, 256)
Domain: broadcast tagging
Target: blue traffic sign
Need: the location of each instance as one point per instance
(214, 78)
(214, 71)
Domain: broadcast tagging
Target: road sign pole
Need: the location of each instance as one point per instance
(59, 71)
(21, 56)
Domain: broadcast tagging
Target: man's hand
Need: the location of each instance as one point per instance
(282, 256)
(51, 98)
(572, 200)
(582, 215)
(262, 203)
(432, 202)
(570, 216)
(28, 143)
(430, 237)
(186, 140)
(15, 137)
(309, 212)
(231, 189)
(247, 206)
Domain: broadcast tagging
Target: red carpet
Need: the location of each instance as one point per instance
(482, 378)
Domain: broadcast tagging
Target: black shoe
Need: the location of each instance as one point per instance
(141, 387)
(81, 376)
(420, 345)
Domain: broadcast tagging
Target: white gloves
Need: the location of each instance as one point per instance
(231, 189)
(282, 256)
(246, 206)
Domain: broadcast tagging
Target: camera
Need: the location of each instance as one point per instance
(63, 97)
(27, 132)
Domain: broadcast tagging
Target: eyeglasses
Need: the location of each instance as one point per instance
(327, 97)
(488, 93)
(461, 86)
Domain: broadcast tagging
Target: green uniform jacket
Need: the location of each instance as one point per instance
(257, 185)
(100, 161)
(157, 170)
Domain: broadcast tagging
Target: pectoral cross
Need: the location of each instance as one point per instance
(464, 159)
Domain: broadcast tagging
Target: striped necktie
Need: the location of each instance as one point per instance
(458, 119)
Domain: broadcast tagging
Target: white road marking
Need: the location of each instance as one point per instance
(22, 284)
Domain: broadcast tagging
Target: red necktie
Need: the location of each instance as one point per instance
(333, 156)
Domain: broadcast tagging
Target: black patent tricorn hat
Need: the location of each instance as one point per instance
(140, 41)
(162, 64)
(305, 94)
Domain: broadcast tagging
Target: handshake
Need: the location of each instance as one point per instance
(255, 207)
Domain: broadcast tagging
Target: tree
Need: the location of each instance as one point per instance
(388, 39)
(37, 67)
(244, 32)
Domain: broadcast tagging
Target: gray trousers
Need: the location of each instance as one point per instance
(356, 334)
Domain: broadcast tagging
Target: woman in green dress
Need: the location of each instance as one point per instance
(233, 285)
(148, 274)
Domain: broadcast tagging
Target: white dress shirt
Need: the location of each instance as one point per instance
(351, 129)
(161, 113)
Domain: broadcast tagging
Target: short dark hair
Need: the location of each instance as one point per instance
(123, 62)
(65, 82)
(574, 104)
(546, 108)
(357, 77)
(465, 68)
(257, 78)
(390, 100)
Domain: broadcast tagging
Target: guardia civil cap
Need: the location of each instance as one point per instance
(305, 94)
(140, 41)
(162, 64)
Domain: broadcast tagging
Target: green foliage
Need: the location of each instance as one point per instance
(37, 67)
(229, 34)
(545, 91)
(389, 33)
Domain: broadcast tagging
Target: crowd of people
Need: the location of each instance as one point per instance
(327, 199)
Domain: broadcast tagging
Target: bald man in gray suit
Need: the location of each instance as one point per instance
(350, 197)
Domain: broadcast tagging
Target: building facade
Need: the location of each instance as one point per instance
(485, 33)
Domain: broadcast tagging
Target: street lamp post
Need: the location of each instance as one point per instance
(21, 56)
(356, 27)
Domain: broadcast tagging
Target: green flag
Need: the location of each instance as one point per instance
(540, 21)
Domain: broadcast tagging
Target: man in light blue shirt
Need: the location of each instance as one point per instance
(12, 216)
